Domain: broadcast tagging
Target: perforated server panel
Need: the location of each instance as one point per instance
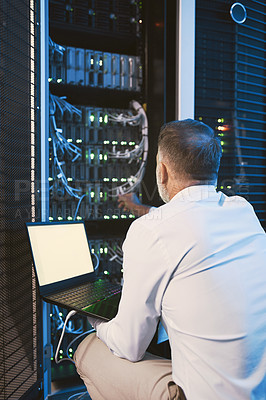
(230, 94)
(19, 345)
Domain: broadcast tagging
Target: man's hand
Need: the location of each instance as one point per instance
(130, 202)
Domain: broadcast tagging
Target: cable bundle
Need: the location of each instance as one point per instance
(141, 150)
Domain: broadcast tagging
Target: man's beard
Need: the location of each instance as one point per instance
(161, 188)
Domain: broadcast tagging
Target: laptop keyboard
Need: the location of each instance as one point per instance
(87, 294)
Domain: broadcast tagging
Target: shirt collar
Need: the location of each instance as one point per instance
(196, 193)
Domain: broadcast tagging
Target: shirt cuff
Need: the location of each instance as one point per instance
(95, 322)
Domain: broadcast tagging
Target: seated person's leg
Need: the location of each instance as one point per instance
(108, 377)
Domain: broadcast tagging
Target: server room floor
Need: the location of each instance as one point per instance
(74, 392)
(67, 385)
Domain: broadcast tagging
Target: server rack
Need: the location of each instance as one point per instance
(230, 86)
(96, 60)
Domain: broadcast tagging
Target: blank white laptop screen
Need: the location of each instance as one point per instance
(60, 251)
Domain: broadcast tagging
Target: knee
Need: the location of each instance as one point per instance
(83, 349)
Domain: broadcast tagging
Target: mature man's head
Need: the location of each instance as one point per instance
(190, 150)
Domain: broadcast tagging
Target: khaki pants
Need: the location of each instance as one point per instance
(108, 377)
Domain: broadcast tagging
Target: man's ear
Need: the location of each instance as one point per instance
(164, 173)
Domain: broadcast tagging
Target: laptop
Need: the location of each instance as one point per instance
(65, 272)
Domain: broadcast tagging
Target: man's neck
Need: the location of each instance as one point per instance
(176, 187)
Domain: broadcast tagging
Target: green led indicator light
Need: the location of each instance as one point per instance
(221, 187)
(131, 216)
(60, 218)
(92, 156)
(49, 139)
(50, 79)
(50, 179)
(51, 219)
(105, 118)
(222, 142)
(70, 350)
(106, 142)
(105, 157)
(52, 358)
(101, 194)
(79, 218)
(100, 119)
(92, 118)
(70, 140)
(123, 216)
(106, 217)
(92, 194)
(105, 250)
(70, 218)
(92, 61)
(61, 351)
(106, 272)
(59, 80)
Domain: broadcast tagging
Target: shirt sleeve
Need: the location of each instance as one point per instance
(145, 279)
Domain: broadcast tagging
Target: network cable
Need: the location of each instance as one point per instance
(116, 256)
(56, 48)
(60, 143)
(81, 395)
(68, 358)
(60, 323)
(141, 150)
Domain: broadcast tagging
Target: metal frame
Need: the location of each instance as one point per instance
(44, 174)
(185, 72)
(44, 108)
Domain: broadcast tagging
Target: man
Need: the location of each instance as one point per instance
(197, 264)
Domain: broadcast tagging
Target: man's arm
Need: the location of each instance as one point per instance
(146, 275)
(130, 202)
